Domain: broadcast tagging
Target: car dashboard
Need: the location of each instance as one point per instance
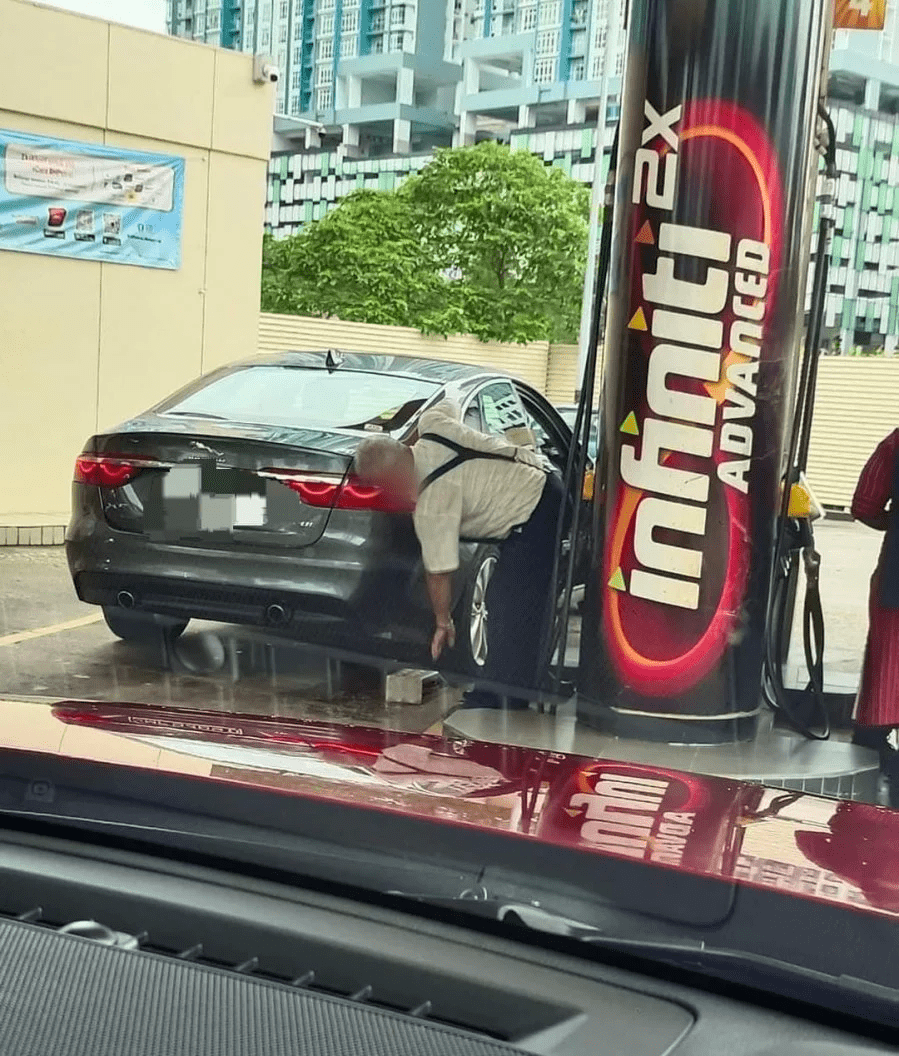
(117, 952)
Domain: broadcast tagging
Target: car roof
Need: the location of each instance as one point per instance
(439, 371)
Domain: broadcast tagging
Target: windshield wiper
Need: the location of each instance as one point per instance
(308, 861)
(369, 871)
(478, 903)
(851, 995)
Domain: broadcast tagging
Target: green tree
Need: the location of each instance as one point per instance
(361, 262)
(483, 241)
(277, 275)
(512, 232)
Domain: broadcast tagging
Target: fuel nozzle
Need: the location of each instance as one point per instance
(803, 505)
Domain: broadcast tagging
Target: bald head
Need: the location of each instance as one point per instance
(390, 465)
(379, 458)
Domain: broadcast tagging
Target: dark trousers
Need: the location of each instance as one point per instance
(875, 738)
(519, 605)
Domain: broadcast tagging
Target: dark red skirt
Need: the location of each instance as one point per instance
(878, 696)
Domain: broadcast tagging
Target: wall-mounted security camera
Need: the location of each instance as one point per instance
(264, 70)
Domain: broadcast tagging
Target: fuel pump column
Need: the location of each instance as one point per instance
(704, 319)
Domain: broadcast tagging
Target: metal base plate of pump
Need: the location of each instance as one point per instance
(777, 758)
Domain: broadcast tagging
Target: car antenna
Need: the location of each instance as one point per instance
(333, 360)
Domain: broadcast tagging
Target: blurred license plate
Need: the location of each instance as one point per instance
(216, 501)
(223, 512)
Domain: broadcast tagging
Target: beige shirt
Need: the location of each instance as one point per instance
(479, 499)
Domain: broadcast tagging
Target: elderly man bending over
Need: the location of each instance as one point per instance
(481, 489)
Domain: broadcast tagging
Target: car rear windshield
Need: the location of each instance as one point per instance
(297, 396)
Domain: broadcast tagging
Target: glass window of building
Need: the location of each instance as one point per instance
(550, 13)
(527, 18)
(548, 42)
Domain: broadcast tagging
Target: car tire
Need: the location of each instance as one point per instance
(469, 656)
(141, 627)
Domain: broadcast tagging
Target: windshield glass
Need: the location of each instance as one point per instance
(299, 303)
(317, 399)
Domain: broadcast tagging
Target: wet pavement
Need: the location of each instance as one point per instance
(52, 645)
(849, 553)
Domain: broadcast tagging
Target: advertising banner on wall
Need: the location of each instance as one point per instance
(860, 14)
(88, 201)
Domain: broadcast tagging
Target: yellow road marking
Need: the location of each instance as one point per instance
(53, 628)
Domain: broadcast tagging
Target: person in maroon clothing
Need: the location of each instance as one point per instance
(876, 504)
(861, 846)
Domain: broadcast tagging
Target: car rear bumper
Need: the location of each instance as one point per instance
(343, 581)
(196, 599)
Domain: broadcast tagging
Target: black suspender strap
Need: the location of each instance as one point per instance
(462, 454)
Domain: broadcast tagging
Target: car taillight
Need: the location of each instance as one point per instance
(104, 471)
(334, 493)
(312, 491)
(356, 495)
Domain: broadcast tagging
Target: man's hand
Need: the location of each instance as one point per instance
(440, 591)
(444, 637)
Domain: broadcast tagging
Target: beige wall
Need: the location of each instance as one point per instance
(561, 373)
(284, 332)
(857, 399)
(83, 344)
(550, 368)
(856, 406)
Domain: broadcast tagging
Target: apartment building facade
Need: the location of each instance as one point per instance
(373, 78)
(370, 87)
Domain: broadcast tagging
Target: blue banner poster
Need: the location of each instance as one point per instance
(91, 202)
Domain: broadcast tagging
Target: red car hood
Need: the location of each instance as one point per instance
(816, 848)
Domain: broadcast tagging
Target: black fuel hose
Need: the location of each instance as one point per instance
(785, 560)
(576, 463)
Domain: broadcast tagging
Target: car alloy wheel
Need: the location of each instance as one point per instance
(477, 624)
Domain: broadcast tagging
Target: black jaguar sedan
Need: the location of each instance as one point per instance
(233, 500)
